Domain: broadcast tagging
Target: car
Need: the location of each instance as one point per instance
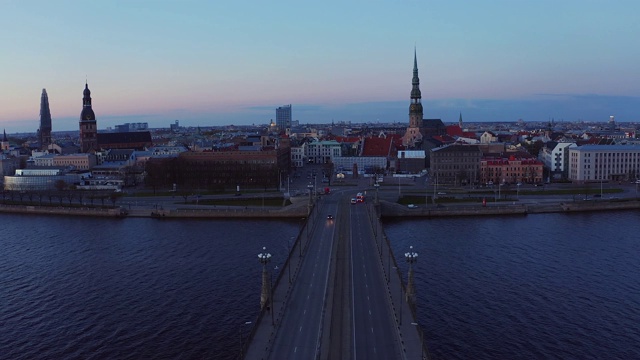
(329, 217)
(353, 200)
(597, 195)
(412, 206)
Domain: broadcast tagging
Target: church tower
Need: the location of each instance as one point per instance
(44, 135)
(4, 145)
(88, 126)
(413, 134)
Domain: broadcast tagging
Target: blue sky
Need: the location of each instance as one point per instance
(231, 62)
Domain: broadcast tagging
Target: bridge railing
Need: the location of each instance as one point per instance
(375, 219)
(305, 230)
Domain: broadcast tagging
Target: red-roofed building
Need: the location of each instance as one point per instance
(510, 170)
(379, 146)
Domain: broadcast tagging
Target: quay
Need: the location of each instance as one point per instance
(388, 209)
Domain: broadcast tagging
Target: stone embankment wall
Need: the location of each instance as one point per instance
(389, 209)
(60, 210)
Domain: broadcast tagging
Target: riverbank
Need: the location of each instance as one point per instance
(291, 211)
(298, 210)
(390, 209)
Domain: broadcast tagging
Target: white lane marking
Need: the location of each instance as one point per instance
(300, 329)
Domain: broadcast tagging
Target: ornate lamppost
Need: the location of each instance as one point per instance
(411, 257)
(266, 294)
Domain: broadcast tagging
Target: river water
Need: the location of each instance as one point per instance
(540, 286)
(563, 286)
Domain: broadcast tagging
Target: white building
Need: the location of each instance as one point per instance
(604, 163)
(555, 157)
(321, 152)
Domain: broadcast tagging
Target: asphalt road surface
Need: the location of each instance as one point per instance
(374, 331)
(300, 330)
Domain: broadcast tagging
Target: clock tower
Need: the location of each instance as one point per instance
(415, 108)
(88, 126)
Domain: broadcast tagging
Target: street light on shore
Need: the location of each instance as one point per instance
(266, 295)
(411, 257)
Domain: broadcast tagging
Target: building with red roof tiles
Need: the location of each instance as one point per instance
(512, 169)
(379, 146)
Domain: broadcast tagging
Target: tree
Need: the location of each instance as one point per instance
(114, 197)
(60, 185)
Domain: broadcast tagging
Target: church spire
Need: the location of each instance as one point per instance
(413, 134)
(415, 108)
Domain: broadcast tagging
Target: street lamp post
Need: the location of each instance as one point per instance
(411, 257)
(266, 295)
(376, 185)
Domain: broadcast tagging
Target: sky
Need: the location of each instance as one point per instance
(214, 63)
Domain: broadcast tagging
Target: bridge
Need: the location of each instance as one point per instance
(340, 294)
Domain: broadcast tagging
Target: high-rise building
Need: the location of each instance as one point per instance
(88, 126)
(413, 134)
(283, 117)
(44, 134)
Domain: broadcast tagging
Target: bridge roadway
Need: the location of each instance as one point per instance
(339, 305)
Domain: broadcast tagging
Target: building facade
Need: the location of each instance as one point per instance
(510, 170)
(594, 163)
(76, 161)
(455, 164)
(410, 161)
(283, 117)
(88, 125)
(555, 157)
(322, 152)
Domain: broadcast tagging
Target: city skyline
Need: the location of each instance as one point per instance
(219, 64)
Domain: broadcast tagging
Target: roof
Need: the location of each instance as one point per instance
(606, 148)
(377, 146)
(458, 148)
(347, 139)
(124, 137)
